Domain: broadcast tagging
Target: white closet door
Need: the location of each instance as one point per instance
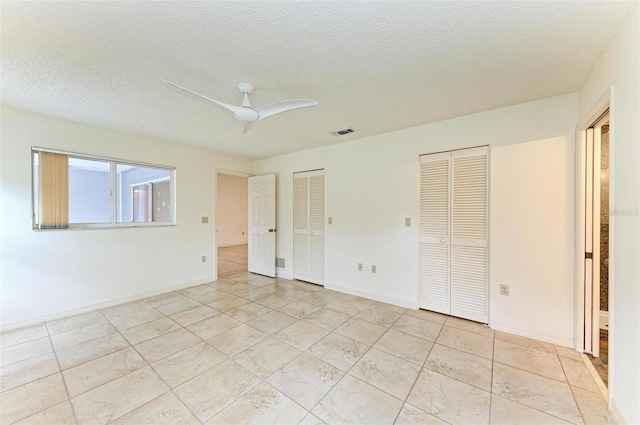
(300, 226)
(469, 234)
(316, 227)
(308, 254)
(434, 284)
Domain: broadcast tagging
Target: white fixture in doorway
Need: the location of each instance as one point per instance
(588, 236)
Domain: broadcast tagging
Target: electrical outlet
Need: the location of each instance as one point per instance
(359, 267)
(205, 219)
(204, 258)
(504, 290)
(407, 222)
(374, 268)
(330, 220)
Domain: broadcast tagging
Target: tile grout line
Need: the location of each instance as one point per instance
(64, 381)
(604, 390)
(154, 371)
(493, 363)
(404, 402)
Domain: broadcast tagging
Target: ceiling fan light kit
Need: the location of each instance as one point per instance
(245, 113)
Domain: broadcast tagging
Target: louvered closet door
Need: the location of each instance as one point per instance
(300, 225)
(469, 234)
(434, 283)
(308, 255)
(316, 227)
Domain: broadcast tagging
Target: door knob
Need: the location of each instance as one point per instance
(270, 230)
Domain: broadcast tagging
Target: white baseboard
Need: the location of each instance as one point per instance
(91, 307)
(373, 296)
(617, 414)
(546, 337)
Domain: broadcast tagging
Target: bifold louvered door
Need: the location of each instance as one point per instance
(453, 233)
(308, 229)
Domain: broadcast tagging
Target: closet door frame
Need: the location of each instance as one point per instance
(457, 153)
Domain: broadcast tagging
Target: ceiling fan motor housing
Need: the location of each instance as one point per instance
(245, 88)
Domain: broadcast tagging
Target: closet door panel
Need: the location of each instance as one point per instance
(433, 274)
(469, 211)
(300, 226)
(308, 234)
(316, 227)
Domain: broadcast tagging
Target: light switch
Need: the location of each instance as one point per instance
(407, 221)
(205, 219)
(330, 220)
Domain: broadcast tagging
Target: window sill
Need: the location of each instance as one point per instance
(107, 226)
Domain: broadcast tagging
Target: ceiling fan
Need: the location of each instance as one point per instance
(245, 113)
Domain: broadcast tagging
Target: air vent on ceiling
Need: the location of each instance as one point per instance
(343, 132)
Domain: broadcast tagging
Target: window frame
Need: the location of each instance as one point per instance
(113, 192)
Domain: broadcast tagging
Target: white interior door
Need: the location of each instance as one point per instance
(469, 283)
(262, 225)
(308, 231)
(434, 283)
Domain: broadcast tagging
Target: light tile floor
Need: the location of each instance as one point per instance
(232, 259)
(251, 349)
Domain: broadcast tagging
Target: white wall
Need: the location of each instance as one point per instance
(233, 210)
(619, 67)
(48, 273)
(371, 185)
(531, 221)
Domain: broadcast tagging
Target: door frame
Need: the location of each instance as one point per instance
(215, 216)
(604, 103)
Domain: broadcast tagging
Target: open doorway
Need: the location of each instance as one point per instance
(232, 223)
(594, 239)
(601, 363)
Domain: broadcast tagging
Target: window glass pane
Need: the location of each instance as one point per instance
(144, 194)
(89, 187)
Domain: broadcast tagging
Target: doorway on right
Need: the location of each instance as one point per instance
(601, 363)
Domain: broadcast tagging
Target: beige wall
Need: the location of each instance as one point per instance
(233, 205)
(49, 273)
(371, 186)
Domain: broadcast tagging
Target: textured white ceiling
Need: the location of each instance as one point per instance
(375, 66)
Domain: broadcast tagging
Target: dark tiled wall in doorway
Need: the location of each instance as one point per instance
(604, 219)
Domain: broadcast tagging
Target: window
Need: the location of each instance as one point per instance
(78, 191)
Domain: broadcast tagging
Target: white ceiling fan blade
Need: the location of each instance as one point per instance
(242, 113)
(285, 105)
